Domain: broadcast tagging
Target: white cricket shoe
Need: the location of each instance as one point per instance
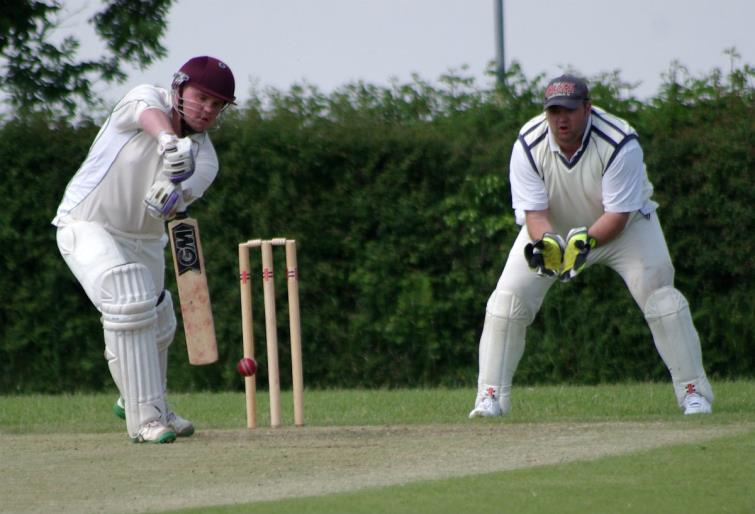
(486, 405)
(181, 426)
(695, 403)
(154, 432)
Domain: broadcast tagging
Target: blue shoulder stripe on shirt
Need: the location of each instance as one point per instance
(630, 137)
(534, 127)
(595, 130)
(607, 121)
(528, 149)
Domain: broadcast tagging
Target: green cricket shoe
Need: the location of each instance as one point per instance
(119, 408)
(181, 426)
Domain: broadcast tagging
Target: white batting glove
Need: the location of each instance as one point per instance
(163, 199)
(166, 140)
(178, 159)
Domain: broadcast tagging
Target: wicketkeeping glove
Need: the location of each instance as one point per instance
(578, 246)
(546, 255)
(178, 159)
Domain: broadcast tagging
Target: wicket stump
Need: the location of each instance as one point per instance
(271, 328)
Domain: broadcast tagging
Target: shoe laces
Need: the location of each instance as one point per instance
(488, 402)
(171, 417)
(155, 424)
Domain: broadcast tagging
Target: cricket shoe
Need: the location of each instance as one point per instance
(154, 432)
(695, 403)
(181, 426)
(119, 408)
(486, 404)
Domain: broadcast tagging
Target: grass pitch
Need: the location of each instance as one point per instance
(618, 448)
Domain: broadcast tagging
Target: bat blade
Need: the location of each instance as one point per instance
(193, 292)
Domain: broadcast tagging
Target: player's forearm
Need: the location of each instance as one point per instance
(153, 121)
(608, 226)
(538, 223)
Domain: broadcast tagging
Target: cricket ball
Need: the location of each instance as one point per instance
(246, 367)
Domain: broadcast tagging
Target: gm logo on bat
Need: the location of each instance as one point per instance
(186, 248)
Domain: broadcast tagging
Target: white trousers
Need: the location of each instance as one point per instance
(639, 255)
(89, 251)
(122, 277)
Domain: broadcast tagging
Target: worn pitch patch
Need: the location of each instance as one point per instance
(105, 473)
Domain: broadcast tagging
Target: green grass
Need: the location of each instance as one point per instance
(685, 479)
(712, 476)
(91, 413)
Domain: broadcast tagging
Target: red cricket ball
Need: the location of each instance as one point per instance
(246, 367)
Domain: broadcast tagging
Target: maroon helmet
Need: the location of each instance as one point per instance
(208, 74)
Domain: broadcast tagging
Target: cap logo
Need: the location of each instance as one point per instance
(560, 89)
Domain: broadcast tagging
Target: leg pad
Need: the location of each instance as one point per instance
(502, 344)
(129, 322)
(668, 316)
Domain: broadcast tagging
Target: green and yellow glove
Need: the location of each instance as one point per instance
(546, 255)
(578, 246)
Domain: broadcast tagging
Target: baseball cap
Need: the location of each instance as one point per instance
(566, 91)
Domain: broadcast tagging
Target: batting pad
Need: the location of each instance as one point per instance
(166, 330)
(129, 324)
(502, 342)
(668, 316)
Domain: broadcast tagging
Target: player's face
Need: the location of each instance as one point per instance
(200, 109)
(568, 125)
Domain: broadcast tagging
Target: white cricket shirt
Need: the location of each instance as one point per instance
(110, 186)
(607, 174)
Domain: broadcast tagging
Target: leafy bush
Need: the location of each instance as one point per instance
(399, 200)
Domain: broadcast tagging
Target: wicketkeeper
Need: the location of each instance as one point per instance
(582, 195)
(151, 157)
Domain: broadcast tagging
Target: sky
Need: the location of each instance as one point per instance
(330, 43)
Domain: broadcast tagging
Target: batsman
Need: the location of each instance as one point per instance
(580, 190)
(151, 158)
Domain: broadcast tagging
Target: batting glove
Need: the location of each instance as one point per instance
(178, 159)
(166, 140)
(162, 200)
(546, 255)
(578, 246)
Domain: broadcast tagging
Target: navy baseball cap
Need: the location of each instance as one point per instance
(566, 91)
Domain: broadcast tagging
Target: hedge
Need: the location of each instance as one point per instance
(399, 199)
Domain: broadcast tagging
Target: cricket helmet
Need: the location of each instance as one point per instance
(209, 75)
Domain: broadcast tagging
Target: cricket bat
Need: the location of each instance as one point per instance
(193, 293)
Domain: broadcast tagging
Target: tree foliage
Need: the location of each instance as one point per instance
(40, 74)
(399, 199)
